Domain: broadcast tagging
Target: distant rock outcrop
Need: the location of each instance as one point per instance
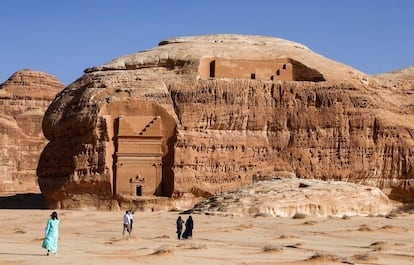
(293, 197)
(401, 80)
(206, 114)
(24, 98)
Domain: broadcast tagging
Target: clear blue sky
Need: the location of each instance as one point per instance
(63, 37)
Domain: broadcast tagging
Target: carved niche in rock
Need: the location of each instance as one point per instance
(138, 155)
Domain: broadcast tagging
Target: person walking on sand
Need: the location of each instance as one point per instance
(189, 225)
(51, 234)
(179, 223)
(127, 224)
(131, 220)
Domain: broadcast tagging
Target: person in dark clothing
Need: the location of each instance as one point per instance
(179, 226)
(189, 225)
(131, 219)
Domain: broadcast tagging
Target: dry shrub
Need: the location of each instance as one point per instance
(115, 240)
(299, 216)
(310, 223)
(259, 214)
(286, 237)
(324, 257)
(184, 245)
(365, 228)
(379, 245)
(242, 227)
(198, 246)
(272, 248)
(364, 257)
(20, 231)
(192, 246)
(297, 245)
(163, 236)
(346, 217)
(163, 250)
(399, 244)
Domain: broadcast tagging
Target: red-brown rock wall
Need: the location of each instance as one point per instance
(233, 131)
(78, 161)
(24, 98)
(229, 133)
(220, 134)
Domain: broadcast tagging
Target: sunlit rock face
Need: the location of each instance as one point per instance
(205, 114)
(24, 98)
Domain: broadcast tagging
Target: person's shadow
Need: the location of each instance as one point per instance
(23, 201)
(22, 254)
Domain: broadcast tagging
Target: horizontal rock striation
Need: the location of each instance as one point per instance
(24, 98)
(219, 134)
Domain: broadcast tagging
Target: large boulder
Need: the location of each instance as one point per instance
(202, 115)
(24, 98)
(297, 198)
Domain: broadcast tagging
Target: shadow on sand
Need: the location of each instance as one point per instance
(22, 254)
(23, 201)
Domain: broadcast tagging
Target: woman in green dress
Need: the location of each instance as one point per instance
(51, 234)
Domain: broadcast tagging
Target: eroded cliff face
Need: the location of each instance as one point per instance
(222, 133)
(24, 98)
(238, 131)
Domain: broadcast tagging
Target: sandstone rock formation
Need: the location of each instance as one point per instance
(202, 115)
(24, 98)
(293, 197)
(401, 80)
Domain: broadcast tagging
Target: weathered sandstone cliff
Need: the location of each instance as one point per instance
(202, 115)
(24, 98)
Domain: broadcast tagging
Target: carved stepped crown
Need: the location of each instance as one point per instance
(152, 128)
(140, 126)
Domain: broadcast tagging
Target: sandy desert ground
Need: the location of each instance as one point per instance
(96, 238)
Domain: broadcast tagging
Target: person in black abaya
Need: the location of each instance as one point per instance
(189, 225)
(179, 226)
